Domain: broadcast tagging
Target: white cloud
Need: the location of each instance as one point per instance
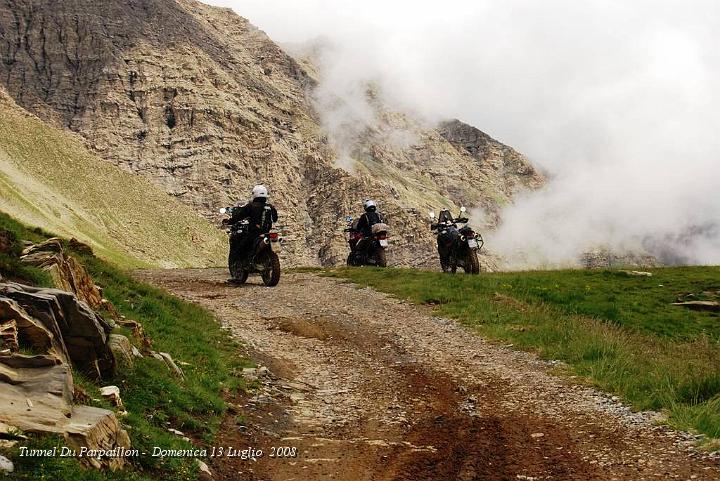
(617, 100)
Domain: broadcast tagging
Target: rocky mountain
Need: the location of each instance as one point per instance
(50, 180)
(204, 105)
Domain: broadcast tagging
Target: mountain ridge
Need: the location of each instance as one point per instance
(204, 105)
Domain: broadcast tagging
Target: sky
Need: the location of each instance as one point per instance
(617, 101)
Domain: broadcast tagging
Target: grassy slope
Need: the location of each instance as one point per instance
(619, 332)
(154, 398)
(49, 179)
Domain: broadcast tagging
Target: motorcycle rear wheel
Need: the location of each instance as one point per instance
(271, 275)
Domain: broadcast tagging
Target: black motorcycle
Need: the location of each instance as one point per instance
(367, 251)
(262, 259)
(458, 247)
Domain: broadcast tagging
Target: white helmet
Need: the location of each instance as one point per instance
(259, 191)
(369, 204)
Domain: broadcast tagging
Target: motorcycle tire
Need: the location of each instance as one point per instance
(271, 275)
(453, 264)
(444, 266)
(241, 277)
(351, 260)
(472, 265)
(381, 258)
(237, 273)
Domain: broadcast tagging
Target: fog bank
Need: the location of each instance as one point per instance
(617, 101)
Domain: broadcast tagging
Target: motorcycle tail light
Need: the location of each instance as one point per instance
(274, 236)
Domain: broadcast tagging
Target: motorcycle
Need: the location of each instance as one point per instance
(367, 251)
(460, 245)
(263, 258)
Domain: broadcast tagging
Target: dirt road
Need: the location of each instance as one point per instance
(367, 387)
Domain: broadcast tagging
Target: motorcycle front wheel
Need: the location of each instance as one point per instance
(380, 258)
(271, 274)
(471, 265)
(237, 273)
(445, 265)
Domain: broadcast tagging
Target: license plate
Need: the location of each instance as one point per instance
(472, 243)
(275, 246)
(384, 243)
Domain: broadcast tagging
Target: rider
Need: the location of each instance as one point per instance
(261, 215)
(369, 218)
(365, 223)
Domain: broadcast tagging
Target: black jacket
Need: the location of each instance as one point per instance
(367, 220)
(261, 214)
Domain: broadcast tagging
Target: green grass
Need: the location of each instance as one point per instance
(155, 399)
(10, 266)
(619, 333)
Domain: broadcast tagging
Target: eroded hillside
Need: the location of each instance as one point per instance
(49, 179)
(204, 105)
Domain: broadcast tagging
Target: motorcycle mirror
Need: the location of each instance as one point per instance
(223, 210)
(431, 214)
(463, 209)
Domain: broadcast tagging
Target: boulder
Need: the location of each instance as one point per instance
(121, 349)
(6, 466)
(168, 361)
(96, 429)
(35, 392)
(71, 322)
(711, 306)
(636, 273)
(31, 332)
(67, 273)
(112, 394)
(204, 473)
(171, 365)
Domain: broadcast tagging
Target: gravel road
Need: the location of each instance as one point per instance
(368, 387)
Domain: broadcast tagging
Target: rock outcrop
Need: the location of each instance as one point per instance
(67, 273)
(122, 349)
(82, 333)
(36, 391)
(204, 105)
